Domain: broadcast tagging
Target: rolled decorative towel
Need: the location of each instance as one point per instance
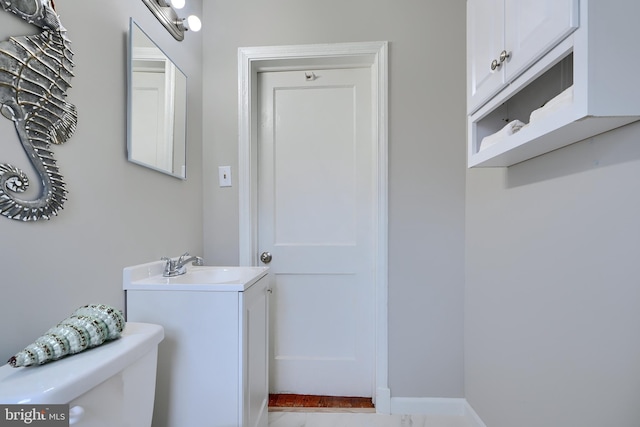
(509, 129)
(89, 326)
(563, 99)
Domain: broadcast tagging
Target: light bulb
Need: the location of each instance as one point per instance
(178, 4)
(193, 23)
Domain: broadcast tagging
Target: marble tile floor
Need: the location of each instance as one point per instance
(350, 419)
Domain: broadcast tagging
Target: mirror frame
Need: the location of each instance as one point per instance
(179, 147)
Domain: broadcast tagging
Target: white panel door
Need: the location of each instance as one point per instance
(316, 215)
(149, 121)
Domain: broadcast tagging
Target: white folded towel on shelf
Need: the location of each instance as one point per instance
(555, 104)
(511, 128)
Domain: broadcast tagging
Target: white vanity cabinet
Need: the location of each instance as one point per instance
(583, 50)
(213, 363)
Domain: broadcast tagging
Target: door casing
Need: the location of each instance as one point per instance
(252, 60)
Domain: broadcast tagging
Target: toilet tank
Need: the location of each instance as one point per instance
(112, 385)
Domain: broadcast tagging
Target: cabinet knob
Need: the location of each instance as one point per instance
(495, 65)
(504, 55)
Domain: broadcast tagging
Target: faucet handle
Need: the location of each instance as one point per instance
(169, 264)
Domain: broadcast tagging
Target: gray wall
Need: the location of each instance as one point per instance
(552, 296)
(426, 151)
(117, 213)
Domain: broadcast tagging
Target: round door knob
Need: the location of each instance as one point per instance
(504, 55)
(495, 65)
(265, 257)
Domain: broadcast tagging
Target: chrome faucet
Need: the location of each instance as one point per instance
(177, 267)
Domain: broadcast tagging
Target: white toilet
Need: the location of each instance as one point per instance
(112, 385)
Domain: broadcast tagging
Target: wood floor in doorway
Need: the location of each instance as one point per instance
(312, 403)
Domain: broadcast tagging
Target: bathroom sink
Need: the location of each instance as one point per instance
(197, 278)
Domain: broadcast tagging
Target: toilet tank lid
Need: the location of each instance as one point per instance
(62, 381)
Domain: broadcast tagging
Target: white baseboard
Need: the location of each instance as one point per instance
(383, 400)
(436, 406)
(427, 406)
(472, 416)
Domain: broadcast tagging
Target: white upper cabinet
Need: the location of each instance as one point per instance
(507, 36)
(485, 41)
(533, 27)
(543, 74)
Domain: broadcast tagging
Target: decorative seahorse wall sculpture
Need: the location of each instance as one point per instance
(35, 73)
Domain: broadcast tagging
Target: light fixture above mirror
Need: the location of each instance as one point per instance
(164, 11)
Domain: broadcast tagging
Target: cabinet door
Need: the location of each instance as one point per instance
(256, 354)
(485, 41)
(533, 27)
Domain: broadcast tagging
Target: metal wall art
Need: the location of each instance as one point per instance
(35, 73)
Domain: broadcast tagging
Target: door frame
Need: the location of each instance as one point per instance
(252, 60)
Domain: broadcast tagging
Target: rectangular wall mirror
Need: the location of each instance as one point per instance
(157, 107)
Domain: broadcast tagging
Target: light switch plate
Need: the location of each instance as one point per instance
(224, 176)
